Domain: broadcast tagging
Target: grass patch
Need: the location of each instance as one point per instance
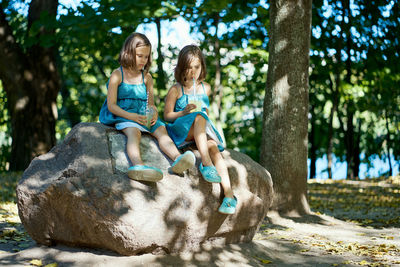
(8, 184)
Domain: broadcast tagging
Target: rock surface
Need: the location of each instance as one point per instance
(78, 194)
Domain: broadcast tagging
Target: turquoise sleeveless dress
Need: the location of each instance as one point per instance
(131, 98)
(179, 129)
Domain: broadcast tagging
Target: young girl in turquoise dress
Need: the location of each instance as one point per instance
(130, 108)
(186, 107)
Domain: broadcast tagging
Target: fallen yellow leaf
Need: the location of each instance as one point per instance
(36, 262)
(364, 262)
(263, 260)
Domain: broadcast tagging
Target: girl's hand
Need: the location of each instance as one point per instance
(155, 117)
(141, 119)
(188, 108)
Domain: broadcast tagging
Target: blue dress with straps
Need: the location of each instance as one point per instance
(179, 129)
(131, 98)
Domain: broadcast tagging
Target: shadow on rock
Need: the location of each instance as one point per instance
(78, 194)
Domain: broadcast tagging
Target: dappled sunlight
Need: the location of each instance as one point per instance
(28, 75)
(234, 166)
(319, 233)
(238, 166)
(284, 11)
(281, 88)
(367, 202)
(178, 213)
(190, 214)
(281, 45)
(281, 240)
(21, 103)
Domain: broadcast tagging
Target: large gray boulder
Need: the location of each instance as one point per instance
(78, 194)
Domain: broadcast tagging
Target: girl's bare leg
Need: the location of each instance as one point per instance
(198, 133)
(220, 165)
(133, 145)
(165, 142)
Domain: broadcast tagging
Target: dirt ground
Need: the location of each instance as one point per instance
(354, 224)
(315, 240)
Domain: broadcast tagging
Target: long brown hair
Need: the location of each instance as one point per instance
(127, 56)
(186, 55)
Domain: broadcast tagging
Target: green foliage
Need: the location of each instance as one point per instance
(243, 62)
(8, 184)
(351, 65)
(244, 102)
(90, 37)
(5, 140)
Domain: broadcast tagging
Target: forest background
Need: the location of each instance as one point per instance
(354, 94)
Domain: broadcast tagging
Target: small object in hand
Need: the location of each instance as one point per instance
(149, 116)
(196, 101)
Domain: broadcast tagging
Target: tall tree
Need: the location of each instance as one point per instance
(161, 77)
(31, 81)
(312, 142)
(284, 139)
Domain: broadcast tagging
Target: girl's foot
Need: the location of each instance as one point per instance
(210, 173)
(183, 162)
(228, 205)
(145, 173)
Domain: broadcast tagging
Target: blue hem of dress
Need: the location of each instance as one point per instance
(179, 129)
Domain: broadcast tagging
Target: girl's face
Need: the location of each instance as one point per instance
(142, 56)
(193, 70)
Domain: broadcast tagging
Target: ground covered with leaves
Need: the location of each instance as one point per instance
(12, 234)
(370, 203)
(354, 223)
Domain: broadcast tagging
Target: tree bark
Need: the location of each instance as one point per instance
(349, 141)
(285, 118)
(31, 82)
(161, 83)
(335, 82)
(313, 147)
(357, 150)
(388, 143)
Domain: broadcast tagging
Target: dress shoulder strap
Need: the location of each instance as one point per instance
(204, 89)
(122, 73)
(143, 78)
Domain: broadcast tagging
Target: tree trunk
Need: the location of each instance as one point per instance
(31, 83)
(349, 136)
(356, 155)
(388, 143)
(335, 82)
(313, 148)
(285, 118)
(351, 148)
(161, 83)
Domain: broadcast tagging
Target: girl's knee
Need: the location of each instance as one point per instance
(160, 130)
(132, 132)
(160, 133)
(212, 147)
(199, 118)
